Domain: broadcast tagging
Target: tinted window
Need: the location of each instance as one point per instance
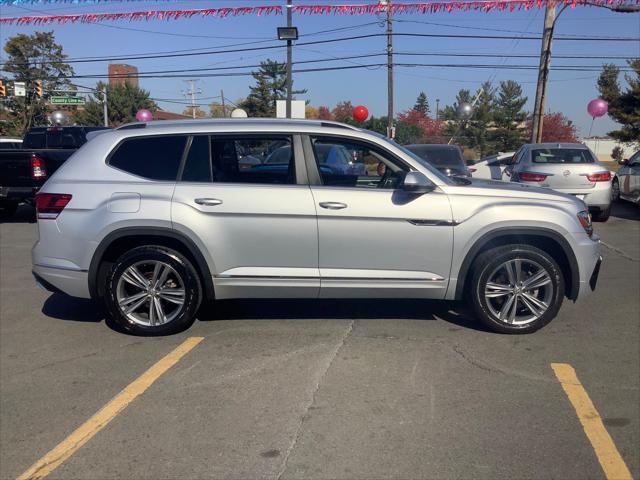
(198, 165)
(440, 157)
(253, 160)
(348, 163)
(35, 140)
(156, 158)
(561, 155)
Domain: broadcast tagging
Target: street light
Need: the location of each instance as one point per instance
(287, 33)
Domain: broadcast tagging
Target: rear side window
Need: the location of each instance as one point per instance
(198, 164)
(155, 158)
(561, 155)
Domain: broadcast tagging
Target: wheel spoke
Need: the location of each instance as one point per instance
(506, 307)
(530, 306)
(137, 278)
(494, 290)
(129, 300)
(510, 272)
(152, 312)
(135, 306)
(518, 268)
(159, 282)
(536, 281)
(160, 316)
(173, 295)
(157, 268)
(129, 278)
(536, 301)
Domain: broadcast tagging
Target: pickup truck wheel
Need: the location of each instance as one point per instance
(8, 209)
(602, 215)
(516, 288)
(152, 290)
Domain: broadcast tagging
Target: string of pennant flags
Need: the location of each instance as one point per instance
(225, 12)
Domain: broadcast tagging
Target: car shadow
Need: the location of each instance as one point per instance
(62, 307)
(24, 214)
(625, 210)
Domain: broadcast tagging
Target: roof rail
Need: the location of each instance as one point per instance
(131, 126)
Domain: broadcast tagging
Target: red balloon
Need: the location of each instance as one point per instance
(360, 113)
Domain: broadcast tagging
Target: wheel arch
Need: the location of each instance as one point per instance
(124, 239)
(548, 240)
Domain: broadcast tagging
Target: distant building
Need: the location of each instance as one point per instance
(120, 73)
(603, 146)
(162, 115)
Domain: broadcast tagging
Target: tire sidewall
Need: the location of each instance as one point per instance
(193, 291)
(481, 276)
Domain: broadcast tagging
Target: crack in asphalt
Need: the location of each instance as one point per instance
(329, 362)
(619, 252)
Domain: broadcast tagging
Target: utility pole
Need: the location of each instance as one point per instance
(390, 129)
(289, 59)
(543, 73)
(224, 109)
(192, 92)
(437, 108)
(105, 112)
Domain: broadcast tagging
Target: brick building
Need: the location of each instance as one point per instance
(120, 73)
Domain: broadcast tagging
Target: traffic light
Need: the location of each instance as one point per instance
(3, 89)
(38, 88)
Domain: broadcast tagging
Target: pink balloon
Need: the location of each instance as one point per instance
(597, 107)
(144, 115)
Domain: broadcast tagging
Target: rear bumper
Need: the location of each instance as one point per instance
(587, 253)
(71, 282)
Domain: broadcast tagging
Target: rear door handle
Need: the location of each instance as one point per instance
(333, 205)
(209, 202)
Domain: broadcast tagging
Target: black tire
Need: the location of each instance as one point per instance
(8, 209)
(184, 272)
(487, 263)
(601, 215)
(615, 190)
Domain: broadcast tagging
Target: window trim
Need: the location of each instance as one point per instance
(107, 160)
(315, 179)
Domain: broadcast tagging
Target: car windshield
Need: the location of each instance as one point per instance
(442, 177)
(561, 155)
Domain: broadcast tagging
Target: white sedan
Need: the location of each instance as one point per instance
(491, 167)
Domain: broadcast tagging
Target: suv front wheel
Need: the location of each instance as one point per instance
(516, 288)
(152, 290)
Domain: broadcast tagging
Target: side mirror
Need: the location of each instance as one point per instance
(623, 161)
(416, 182)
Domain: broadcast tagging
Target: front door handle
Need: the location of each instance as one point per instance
(333, 205)
(209, 202)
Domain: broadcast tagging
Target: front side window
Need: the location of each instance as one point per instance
(155, 158)
(561, 155)
(264, 159)
(349, 163)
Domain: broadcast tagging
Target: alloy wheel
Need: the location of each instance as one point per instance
(150, 293)
(519, 291)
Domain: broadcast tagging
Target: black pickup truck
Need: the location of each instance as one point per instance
(23, 171)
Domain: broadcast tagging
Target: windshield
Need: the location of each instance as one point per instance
(561, 155)
(441, 176)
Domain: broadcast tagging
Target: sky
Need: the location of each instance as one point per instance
(568, 91)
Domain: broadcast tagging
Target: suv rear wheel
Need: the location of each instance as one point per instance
(516, 288)
(152, 290)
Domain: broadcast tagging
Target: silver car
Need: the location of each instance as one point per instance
(154, 218)
(626, 183)
(568, 168)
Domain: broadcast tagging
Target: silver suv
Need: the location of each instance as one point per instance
(568, 168)
(154, 218)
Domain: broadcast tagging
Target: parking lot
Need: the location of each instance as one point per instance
(309, 389)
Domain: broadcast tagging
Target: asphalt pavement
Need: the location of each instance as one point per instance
(321, 389)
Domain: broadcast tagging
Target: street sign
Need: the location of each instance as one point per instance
(67, 100)
(19, 89)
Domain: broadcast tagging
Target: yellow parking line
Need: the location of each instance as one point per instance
(606, 451)
(101, 419)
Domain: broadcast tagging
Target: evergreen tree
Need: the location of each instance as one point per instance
(456, 127)
(624, 106)
(422, 104)
(509, 117)
(123, 102)
(271, 85)
(31, 58)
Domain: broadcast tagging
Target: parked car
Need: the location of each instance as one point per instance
(568, 168)
(174, 221)
(491, 167)
(24, 170)
(626, 183)
(335, 157)
(446, 158)
(9, 143)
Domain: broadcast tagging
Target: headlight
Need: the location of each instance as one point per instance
(585, 220)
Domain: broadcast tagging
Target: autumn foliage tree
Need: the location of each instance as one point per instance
(324, 113)
(556, 127)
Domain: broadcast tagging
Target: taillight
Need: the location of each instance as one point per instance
(471, 169)
(599, 177)
(532, 177)
(585, 220)
(50, 205)
(38, 168)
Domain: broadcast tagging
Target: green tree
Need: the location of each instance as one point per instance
(123, 102)
(271, 85)
(216, 110)
(422, 104)
(199, 112)
(624, 106)
(31, 58)
(509, 117)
